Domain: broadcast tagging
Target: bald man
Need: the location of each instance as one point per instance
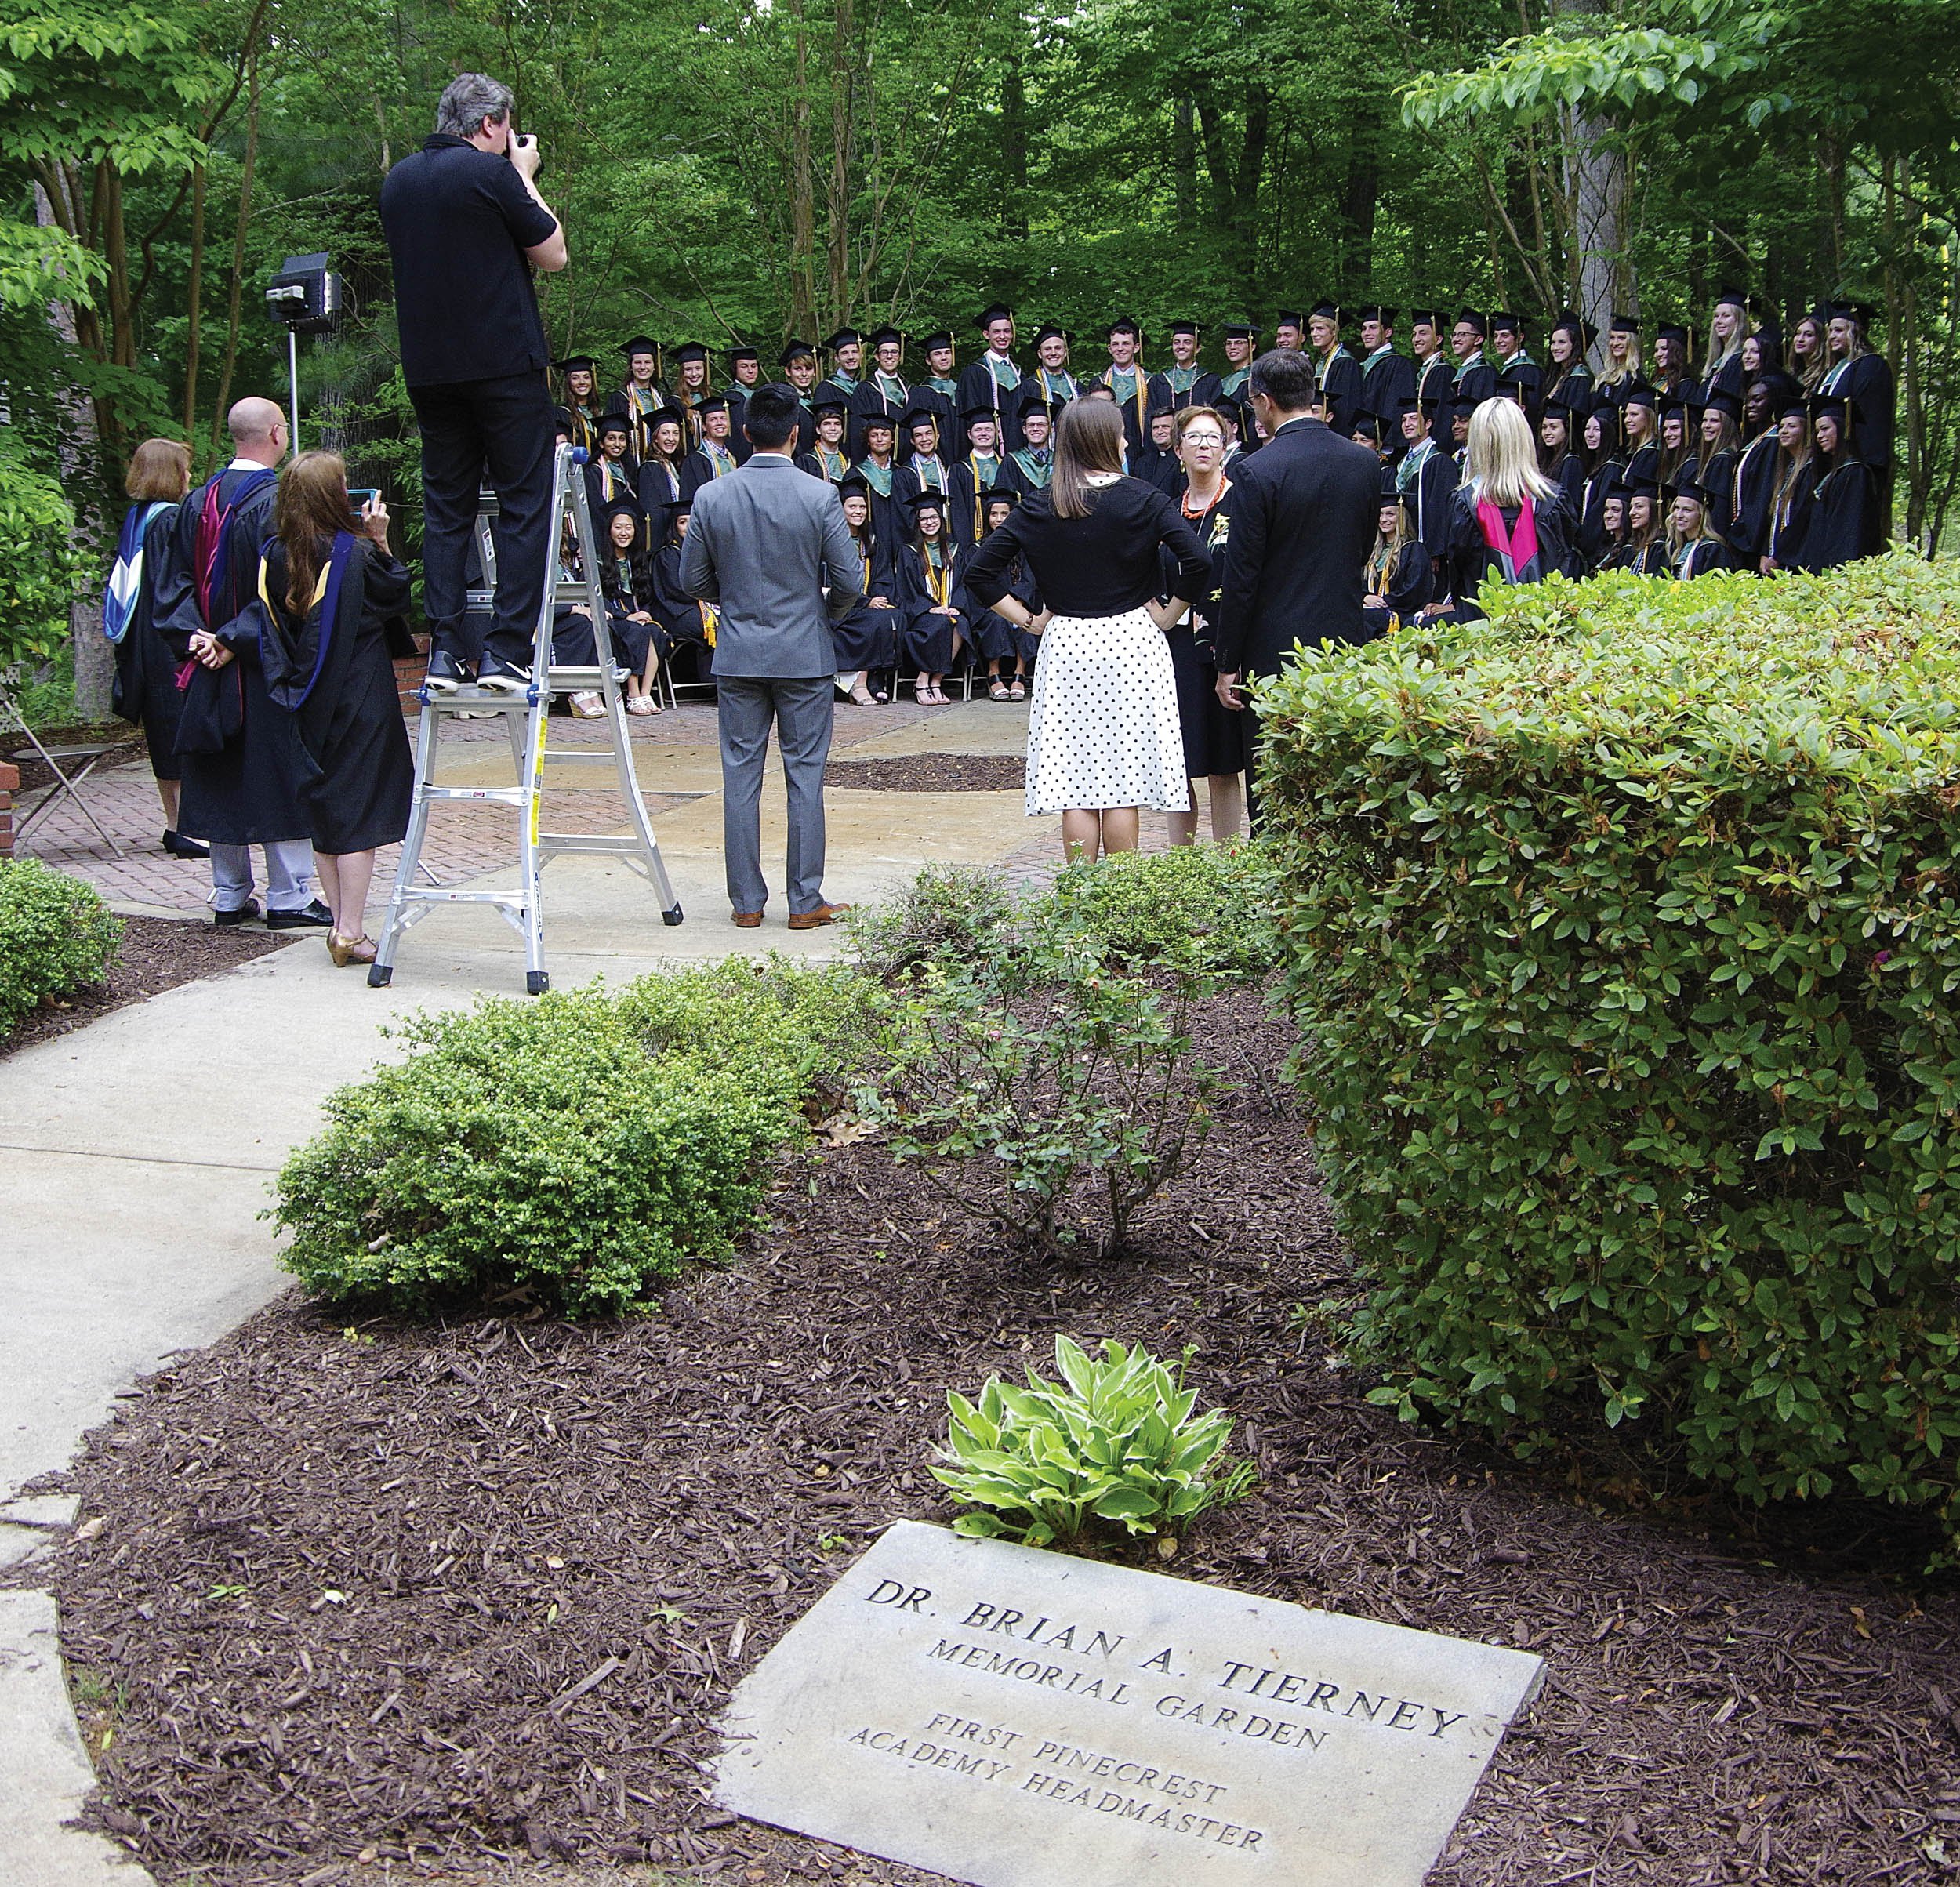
(245, 792)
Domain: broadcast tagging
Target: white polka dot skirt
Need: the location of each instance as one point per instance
(1102, 726)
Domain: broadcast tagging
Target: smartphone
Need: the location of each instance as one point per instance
(358, 496)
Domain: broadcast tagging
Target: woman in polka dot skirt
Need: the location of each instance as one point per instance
(1103, 734)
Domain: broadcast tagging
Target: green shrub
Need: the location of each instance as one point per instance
(946, 915)
(1625, 944)
(56, 936)
(41, 563)
(1115, 1440)
(583, 1146)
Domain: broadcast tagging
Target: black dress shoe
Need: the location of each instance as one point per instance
(314, 916)
(246, 913)
(503, 677)
(448, 672)
(179, 846)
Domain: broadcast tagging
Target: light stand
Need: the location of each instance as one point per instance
(308, 297)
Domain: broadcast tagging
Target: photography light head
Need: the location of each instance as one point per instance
(306, 296)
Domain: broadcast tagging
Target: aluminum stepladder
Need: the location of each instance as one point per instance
(524, 717)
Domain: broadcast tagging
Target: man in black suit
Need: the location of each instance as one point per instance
(1301, 522)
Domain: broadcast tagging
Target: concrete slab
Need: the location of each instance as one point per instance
(973, 727)
(46, 1768)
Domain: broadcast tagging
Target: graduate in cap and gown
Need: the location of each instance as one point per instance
(1753, 488)
(1388, 378)
(797, 363)
(1426, 475)
(1640, 416)
(921, 466)
(1400, 576)
(846, 350)
(690, 385)
(1717, 442)
(712, 457)
(1623, 370)
(1128, 384)
(1008, 650)
(881, 391)
(1793, 490)
(866, 638)
(1602, 447)
(829, 456)
(1519, 377)
(1670, 373)
(1051, 386)
(612, 473)
(1568, 377)
(1722, 369)
(1184, 383)
(939, 391)
(1340, 372)
(1435, 378)
(1290, 330)
(626, 576)
(641, 395)
(658, 486)
(930, 597)
(1840, 527)
(1862, 378)
(879, 469)
(690, 625)
(1476, 379)
(1694, 547)
(993, 382)
(1031, 465)
(745, 369)
(1241, 342)
(979, 469)
(580, 376)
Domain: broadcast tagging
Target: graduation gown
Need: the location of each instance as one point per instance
(585, 415)
(1475, 381)
(1133, 401)
(940, 397)
(1718, 477)
(981, 385)
(1700, 557)
(684, 619)
(1436, 379)
(867, 638)
(885, 516)
(146, 669)
(1432, 475)
(1572, 388)
(1472, 563)
(881, 397)
(917, 475)
(252, 792)
(967, 520)
(659, 492)
(1340, 388)
(737, 395)
(639, 405)
(1726, 376)
(1643, 464)
(360, 776)
(1789, 525)
(1839, 527)
(1028, 471)
(1175, 388)
(926, 640)
(1387, 379)
(1521, 379)
(996, 639)
(610, 481)
(1234, 391)
(821, 462)
(1753, 491)
(1406, 586)
(705, 464)
(629, 587)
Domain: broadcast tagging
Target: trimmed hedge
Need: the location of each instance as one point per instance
(56, 937)
(582, 1146)
(1624, 940)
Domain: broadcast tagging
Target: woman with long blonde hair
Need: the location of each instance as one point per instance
(1623, 371)
(1509, 524)
(1104, 738)
(1790, 490)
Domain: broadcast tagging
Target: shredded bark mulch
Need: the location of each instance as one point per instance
(931, 773)
(156, 954)
(463, 1596)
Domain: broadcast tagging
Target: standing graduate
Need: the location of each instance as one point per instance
(691, 386)
(582, 404)
(1840, 527)
(1290, 330)
(1008, 650)
(939, 391)
(658, 484)
(1184, 383)
(829, 456)
(745, 370)
(1387, 378)
(979, 469)
(1694, 549)
(797, 363)
(1568, 377)
(1718, 443)
(613, 476)
(690, 625)
(879, 469)
(867, 637)
(1031, 464)
(1863, 378)
(1646, 535)
(1241, 342)
(1602, 446)
(1612, 553)
(921, 466)
(1426, 476)
(641, 395)
(1435, 378)
(1558, 458)
(1810, 349)
(993, 382)
(882, 391)
(1722, 363)
(1677, 444)
(1792, 494)
(1640, 415)
(1519, 377)
(929, 598)
(1622, 372)
(1339, 371)
(846, 350)
(1670, 373)
(1400, 576)
(1476, 379)
(712, 458)
(1753, 489)
(1128, 384)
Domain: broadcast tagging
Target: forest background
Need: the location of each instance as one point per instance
(757, 168)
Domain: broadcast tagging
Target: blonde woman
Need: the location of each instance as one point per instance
(1104, 740)
(1693, 548)
(1622, 372)
(1791, 493)
(1722, 361)
(1509, 525)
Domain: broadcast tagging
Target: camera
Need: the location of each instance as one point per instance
(306, 296)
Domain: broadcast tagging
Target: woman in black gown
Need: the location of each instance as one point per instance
(337, 596)
(1841, 499)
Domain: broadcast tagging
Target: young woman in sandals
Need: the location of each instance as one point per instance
(626, 574)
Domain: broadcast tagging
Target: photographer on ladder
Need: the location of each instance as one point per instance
(465, 226)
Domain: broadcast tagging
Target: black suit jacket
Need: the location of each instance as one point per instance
(1300, 524)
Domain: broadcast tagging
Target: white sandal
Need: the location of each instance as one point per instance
(587, 705)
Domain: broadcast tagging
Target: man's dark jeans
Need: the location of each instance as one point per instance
(499, 432)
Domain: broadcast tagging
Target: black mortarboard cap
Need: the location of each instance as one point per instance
(1624, 323)
(1641, 396)
(795, 350)
(745, 352)
(878, 336)
(978, 410)
(1182, 326)
(1049, 331)
(576, 363)
(1124, 324)
(1405, 403)
(873, 419)
(1420, 317)
(843, 337)
(998, 312)
(1830, 406)
(1672, 331)
(608, 512)
(1642, 487)
(938, 338)
(1733, 298)
(1326, 311)
(1728, 403)
(714, 404)
(1240, 331)
(1471, 319)
(828, 400)
(1376, 311)
(667, 416)
(926, 496)
(1787, 403)
(919, 415)
(641, 343)
(613, 423)
(1514, 323)
(1691, 487)
(1671, 403)
(1289, 317)
(999, 495)
(854, 481)
(688, 350)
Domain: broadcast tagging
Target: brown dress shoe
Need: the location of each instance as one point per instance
(823, 914)
(746, 920)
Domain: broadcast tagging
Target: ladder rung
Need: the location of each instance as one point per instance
(553, 842)
(433, 894)
(494, 796)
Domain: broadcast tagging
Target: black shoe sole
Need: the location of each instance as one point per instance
(228, 920)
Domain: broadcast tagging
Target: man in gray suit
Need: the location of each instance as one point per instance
(764, 544)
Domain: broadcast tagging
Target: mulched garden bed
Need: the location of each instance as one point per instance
(931, 773)
(156, 954)
(447, 1595)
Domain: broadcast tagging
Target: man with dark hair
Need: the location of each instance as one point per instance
(1299, 524)
(466, 226)
(763, 545)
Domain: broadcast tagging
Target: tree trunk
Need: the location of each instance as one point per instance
(803, 214)
(194, 305)
(1013, 147)
(238, 256)
(1596, 168)
(1184, 153)
(1357, 202)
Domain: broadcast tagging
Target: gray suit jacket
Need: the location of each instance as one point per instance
(763, 544)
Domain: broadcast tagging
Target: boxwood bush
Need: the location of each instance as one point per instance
(584, 1146)
(56, 937)
(1624, 939)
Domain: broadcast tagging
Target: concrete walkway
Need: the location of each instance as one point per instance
(137, 1150)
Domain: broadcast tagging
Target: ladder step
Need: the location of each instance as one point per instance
(435, 895)
(494, 796)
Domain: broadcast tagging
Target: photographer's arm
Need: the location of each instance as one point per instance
(550, 255)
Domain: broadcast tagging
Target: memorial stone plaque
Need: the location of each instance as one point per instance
(1017, 1718)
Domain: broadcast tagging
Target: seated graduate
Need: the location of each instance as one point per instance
(613, 477)
(582, 402)
(1008, 650)
(880, 471)
(1157, 464)
(573, 642)
(641, 395)
(1184, 383)
(1646, 539)
(626, 574)
(1399, 579)
(867, 636)
(1840, 525)
(933, 632)
(1694, 547)
(1031, 465)
(1367, 430)
(690, 625)
(691, 386)
(979, 469)
(922, 468)
(713, 458)
(1718, 443)
(1611, 534)
(1640, 416)
(659, 486)
(828, 458)
(1428, 476)
(881, 391)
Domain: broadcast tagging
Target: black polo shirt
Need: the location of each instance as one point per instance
(458, 220)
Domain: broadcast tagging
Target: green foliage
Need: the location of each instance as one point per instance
(40, 564)
(1627, 937)
(1117, 1439)
(582, 1147)
(948, 914)
(56, 936)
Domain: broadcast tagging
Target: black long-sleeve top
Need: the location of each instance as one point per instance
(1105, 564)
